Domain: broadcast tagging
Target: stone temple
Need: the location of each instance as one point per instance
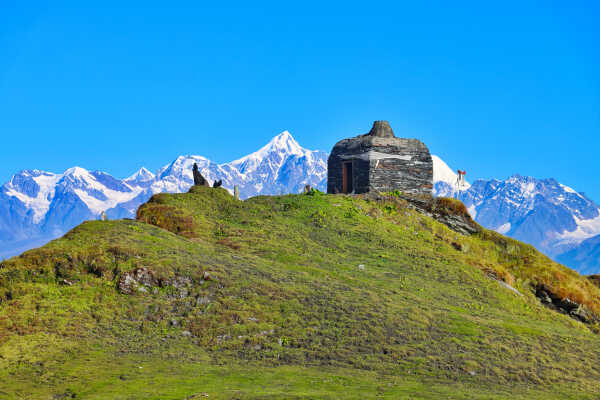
(379, 161)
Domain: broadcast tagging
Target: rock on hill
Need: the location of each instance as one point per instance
(297, 296)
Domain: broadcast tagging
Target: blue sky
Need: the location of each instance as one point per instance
(492, 89)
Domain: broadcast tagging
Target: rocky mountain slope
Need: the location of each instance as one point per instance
(296, 296)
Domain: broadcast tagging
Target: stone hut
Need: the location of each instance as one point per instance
(379, 161)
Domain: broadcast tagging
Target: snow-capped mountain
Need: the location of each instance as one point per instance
(142, 178)
(281, 166)
(542, 212)
(545, 213)
(551, 216)
(37, 206)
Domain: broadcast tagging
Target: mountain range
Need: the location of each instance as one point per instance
(38, 206)
(559, 221)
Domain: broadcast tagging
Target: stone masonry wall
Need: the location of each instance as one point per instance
(400, 164)
(335, 174)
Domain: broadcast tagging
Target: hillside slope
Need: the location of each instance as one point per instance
(298, 296)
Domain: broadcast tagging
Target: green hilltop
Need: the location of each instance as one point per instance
(307, 296)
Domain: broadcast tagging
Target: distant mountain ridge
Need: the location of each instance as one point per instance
(37, 206)
(543, 212)
(585, 256)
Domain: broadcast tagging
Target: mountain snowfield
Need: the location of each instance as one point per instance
(37, 206)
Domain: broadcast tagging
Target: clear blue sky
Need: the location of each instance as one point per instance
(493, 89)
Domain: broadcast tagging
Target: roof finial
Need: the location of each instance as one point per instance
(381, 129)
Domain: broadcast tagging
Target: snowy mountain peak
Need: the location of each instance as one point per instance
(181, 159)
(279, 147)
(76, 171)
(142, 175)
(30, 172)
(284, 141)
(182, 167)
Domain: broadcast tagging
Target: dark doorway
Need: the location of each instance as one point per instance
(347, 185)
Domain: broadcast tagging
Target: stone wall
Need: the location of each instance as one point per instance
(400, 164)
(335, 174)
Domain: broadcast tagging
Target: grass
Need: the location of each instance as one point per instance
(265, 299)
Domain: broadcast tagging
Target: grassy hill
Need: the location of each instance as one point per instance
(296, 297)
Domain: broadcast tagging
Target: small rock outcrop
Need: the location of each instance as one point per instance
(138, 280)
(460, 222)
(198, 178)
(564, 305)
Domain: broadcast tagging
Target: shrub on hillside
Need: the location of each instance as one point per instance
(167, 217)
